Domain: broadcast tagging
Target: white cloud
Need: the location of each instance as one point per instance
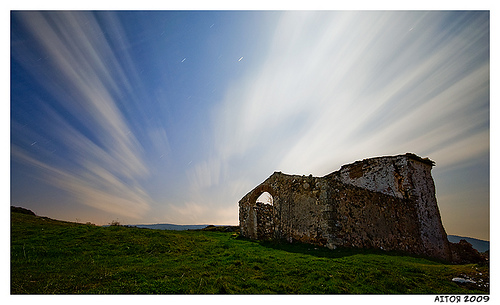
(205, 174)
(91, 185)
(336, 87)
(104, 163)
(333, 87)
(343, 86)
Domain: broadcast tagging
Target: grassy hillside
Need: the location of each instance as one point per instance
(54, 257)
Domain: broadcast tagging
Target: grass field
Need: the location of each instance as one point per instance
(54, 257)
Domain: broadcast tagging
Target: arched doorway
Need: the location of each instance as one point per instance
(265, 214)
(265, 198)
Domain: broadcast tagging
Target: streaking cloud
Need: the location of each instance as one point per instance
(99, 160)
(164, 117)
(342, 86)
(358, 85)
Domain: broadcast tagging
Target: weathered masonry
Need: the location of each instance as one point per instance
(384, 202)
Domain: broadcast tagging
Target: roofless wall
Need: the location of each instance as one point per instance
(384, 202)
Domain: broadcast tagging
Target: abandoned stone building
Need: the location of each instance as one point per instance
(384, 202)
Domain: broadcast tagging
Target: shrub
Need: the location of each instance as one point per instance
(115, 223)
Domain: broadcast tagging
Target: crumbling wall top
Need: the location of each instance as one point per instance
(337, 209)
(410, 156)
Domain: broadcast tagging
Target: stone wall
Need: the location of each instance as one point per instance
(384, 202)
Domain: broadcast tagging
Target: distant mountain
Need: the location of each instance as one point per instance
(479, 245)
(167, 226)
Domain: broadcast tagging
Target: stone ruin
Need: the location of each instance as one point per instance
(387, 203)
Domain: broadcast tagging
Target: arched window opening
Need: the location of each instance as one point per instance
(265, 198)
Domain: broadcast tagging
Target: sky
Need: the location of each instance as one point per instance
(146, 117)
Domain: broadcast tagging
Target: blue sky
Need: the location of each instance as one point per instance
(173, 116)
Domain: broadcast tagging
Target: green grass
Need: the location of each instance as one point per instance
(53, 257)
